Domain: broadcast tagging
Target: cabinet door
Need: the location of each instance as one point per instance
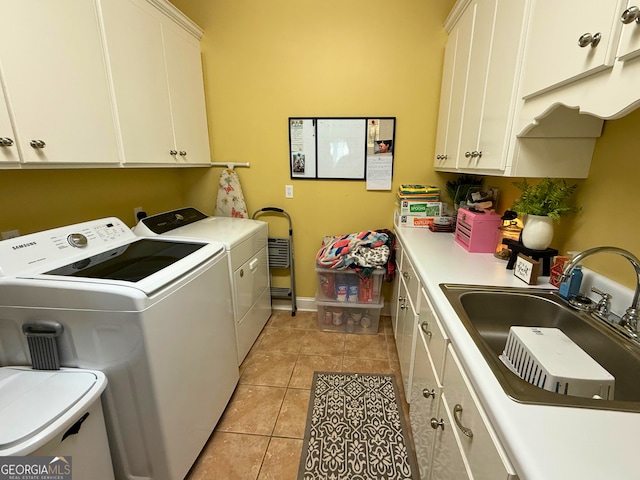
(482, 20)
(188, 112)
(406, 320)
(139, 72)
(482, 450)
(56, 82)
(445, 146)
(8, 146)
(630, 40)
(425, 396)
(454, 85)
(448, 462)
(434, 336)
(553, 56)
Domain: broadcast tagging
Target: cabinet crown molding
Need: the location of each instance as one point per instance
(177, 16)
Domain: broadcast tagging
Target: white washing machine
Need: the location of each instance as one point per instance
(56, 413)
(154, 315)
(246, 242)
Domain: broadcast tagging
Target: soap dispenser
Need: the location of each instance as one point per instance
(571, 287)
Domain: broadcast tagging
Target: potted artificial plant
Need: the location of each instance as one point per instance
(541, 204)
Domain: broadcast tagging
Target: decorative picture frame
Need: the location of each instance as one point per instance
(527, 269)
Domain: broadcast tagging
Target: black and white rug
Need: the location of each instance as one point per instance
(355, 430)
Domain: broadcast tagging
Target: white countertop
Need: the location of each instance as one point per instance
(542, 442)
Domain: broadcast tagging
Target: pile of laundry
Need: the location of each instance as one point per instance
(362, 251)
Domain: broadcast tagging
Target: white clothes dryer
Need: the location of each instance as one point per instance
(246, 242)
(154, 315)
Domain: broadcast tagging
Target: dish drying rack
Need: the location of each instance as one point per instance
(281, 257)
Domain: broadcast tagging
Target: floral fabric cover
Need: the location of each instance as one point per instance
(230, 201)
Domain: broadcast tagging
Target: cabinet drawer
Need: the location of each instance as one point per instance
(410, 278)
(485, 456)
(436, 340)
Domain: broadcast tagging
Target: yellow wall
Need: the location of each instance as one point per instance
(267, 61)
(34, 200)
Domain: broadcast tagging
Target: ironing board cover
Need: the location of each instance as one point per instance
(230, 201)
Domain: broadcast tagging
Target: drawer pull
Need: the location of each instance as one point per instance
(424, 326)
(457, 410)
(435, 423)
(426, 393)
(253, 264)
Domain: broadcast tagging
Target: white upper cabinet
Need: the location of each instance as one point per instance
(600, 81)
(184, 70)
(630, 41)
(8, 147)
(158, 85)
(569, 40)
(56, 80)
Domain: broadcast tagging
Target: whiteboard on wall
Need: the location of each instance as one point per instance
(354, 148)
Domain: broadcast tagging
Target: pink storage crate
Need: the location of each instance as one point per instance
(477, 232)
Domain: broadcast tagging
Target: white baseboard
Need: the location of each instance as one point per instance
(308, 304)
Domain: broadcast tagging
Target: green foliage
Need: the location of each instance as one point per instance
(458, 189)
(550, 197)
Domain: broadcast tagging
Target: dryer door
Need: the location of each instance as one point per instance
(250, 280)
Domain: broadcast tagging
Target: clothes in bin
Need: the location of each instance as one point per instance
(56, 413)
(350, 269)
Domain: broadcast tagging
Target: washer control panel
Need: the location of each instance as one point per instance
(42, 251)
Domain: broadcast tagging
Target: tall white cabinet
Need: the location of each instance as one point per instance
(56, 82)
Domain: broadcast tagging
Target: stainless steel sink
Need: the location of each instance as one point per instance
(489, 312)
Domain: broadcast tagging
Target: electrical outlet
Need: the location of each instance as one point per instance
(10, 234)
(137, 210)
(288, 191)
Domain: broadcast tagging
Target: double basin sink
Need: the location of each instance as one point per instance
(489, 312)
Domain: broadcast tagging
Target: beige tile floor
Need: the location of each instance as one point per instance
(259, 436)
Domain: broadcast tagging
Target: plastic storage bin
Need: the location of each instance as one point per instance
(344, 317)
(346, 286)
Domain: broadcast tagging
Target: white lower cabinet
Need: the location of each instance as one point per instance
(452, 435)
(480, 447)
(407, 316)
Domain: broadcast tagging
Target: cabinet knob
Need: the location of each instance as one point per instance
(424, 326)
(426, 393)
(37, 144)
(406, 275)
(587, 39)
(173, 152)
(476, 154)
(457, 411)
(467, 154)
(631, 14)
(183, 153)
(5, 142)
(403, 306)
(435, 423)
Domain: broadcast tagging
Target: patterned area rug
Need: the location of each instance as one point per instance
(355, 430)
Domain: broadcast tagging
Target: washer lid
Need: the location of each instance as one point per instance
(31, 400)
